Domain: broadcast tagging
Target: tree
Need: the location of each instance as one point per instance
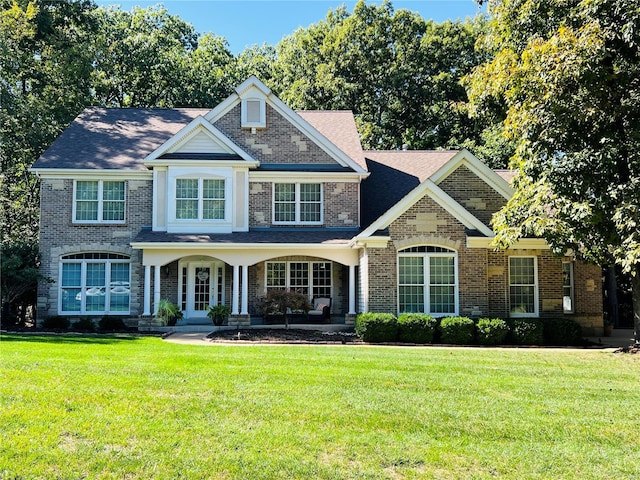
(19, 262)
(44, 83)
(398, 73)
(569, 74)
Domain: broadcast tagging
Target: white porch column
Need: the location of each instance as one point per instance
(236, 290)
(156, 287)
(245, 290)
(147, 290)
(352, 290)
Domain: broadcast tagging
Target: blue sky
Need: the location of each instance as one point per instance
(244, 23)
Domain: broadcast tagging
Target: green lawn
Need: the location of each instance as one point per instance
(137, 407)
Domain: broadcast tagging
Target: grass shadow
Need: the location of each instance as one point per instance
(70, 338)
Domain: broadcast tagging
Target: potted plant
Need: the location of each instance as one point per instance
(168, 312)
(218, 313)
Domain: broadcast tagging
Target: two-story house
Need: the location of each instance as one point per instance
(208, 206)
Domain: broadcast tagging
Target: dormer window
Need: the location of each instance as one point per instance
(254, 113)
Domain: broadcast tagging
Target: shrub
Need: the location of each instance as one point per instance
(416, 327)
(377, 327)
(457, 330)
(491, 331)
(55, 323)
(561, 331)
(526, 331)
(84, 324)
(112, 324)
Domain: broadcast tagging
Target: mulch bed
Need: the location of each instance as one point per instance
(291, 335)
(633, 349)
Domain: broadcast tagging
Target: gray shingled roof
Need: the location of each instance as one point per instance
(273, 235)
(394, 174)
(115, 138)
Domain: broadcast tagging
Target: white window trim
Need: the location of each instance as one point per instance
(245, 123)
(426, 284)
(83, 286)
(310, 285)
(297, 201)
(571, 286)
(536, 308)
(100, 204)
(201, 200)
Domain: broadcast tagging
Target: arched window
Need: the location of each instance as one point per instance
(428, 280)
(95, 283)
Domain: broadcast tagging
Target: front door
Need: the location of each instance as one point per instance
(204, 283)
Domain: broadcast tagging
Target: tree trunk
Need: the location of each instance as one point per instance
(635, 293)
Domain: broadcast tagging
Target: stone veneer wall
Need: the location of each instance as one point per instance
(470, 191)
(279, 143)
(60, 236)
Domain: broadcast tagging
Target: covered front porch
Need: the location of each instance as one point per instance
(195, 275)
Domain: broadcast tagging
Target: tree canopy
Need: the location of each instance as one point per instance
(569, 75)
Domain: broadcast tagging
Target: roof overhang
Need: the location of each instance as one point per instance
(75, 173)
(522, 244)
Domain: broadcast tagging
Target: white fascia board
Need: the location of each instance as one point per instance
(205, 163)
(466, 158)
(191, 129)
(74, 173)
(436, 194)
(371, 242)
(235, 246)
(522, 244)
(351, 177)
(253, 82)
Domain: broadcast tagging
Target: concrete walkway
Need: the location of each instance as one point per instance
(619, 338)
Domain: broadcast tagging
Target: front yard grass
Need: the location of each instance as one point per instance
(76, 406)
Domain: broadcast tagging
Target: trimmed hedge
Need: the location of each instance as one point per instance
(55, 323)
(561, 331)
(416, 328)
(457, 330)
(112, 324)
(84, 325)
(526, 331)
(491, 331)
(377, 327)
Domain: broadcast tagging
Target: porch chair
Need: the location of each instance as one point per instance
(321, 309)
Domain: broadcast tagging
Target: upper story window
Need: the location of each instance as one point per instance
(95, 283)
(99, 201)
(200, 199)
(253, 113)
(428, 280)
(523, 286)
(297, 203)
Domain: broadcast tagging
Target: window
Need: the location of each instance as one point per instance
(95, 283)
(200, 199)
(567, 287)
(428, 280)
(99, 201)
(523, 286)
(310, 278)
(297, 203)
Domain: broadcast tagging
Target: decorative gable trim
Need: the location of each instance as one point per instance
(195, 128)
(430, 189)
(254, 88)
(466, 158)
